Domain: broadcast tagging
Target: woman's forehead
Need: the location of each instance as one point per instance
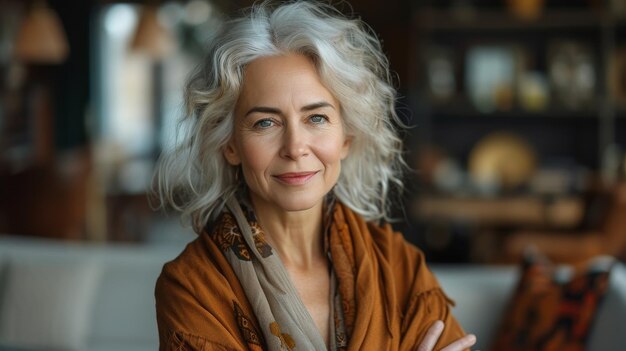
(284, 79)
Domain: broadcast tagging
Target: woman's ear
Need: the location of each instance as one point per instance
(345, 148)
(231, 154)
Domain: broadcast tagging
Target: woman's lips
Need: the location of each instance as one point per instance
(295, 178)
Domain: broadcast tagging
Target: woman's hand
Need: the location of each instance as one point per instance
(433, 334)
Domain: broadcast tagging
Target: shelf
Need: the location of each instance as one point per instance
(445, 20)
(461, 108)
(456, 112)
(563, 212)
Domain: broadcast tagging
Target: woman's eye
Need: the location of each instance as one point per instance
(318, 119)
(264, 123)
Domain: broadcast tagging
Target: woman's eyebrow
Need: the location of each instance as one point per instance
(274, 110)
(316, 105)
(264, 109)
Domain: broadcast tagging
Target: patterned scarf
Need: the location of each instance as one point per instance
(284, 320)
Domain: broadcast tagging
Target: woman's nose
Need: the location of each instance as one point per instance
(294, 143)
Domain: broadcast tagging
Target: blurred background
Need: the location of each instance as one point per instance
(518, 109)
(518, 140)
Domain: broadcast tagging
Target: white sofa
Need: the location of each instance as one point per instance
(75, 296)
(56, 295)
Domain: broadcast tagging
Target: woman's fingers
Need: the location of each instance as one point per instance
(433, 334)
(463, 343)
(431, 337)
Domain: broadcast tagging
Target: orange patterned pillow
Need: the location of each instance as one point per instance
(553, 307)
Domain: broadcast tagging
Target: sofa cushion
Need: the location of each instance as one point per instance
(608, 332)
(124, 307)
(126, 287)
(553, 307)
(46, 303)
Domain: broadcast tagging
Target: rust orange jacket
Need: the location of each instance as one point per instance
(389, 296)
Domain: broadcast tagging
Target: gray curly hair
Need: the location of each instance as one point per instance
(196, 179)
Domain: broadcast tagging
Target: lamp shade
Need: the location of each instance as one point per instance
(41, 38)
(151, 37)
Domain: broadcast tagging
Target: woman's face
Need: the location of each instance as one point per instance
(288, 134)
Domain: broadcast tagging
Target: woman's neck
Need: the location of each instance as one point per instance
(295, 235)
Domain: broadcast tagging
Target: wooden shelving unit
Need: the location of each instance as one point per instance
(460, 31)
(578, 136)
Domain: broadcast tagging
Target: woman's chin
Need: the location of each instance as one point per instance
(298, 205)
(290, 201)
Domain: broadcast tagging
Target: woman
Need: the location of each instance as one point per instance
(291, 155)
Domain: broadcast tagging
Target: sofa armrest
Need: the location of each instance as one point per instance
(481, 294)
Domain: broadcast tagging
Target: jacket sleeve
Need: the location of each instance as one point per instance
(421, 298)
(424, 309)
(189, 318)
(184, 341)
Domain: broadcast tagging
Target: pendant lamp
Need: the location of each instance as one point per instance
(151, 37)
(41, 37)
